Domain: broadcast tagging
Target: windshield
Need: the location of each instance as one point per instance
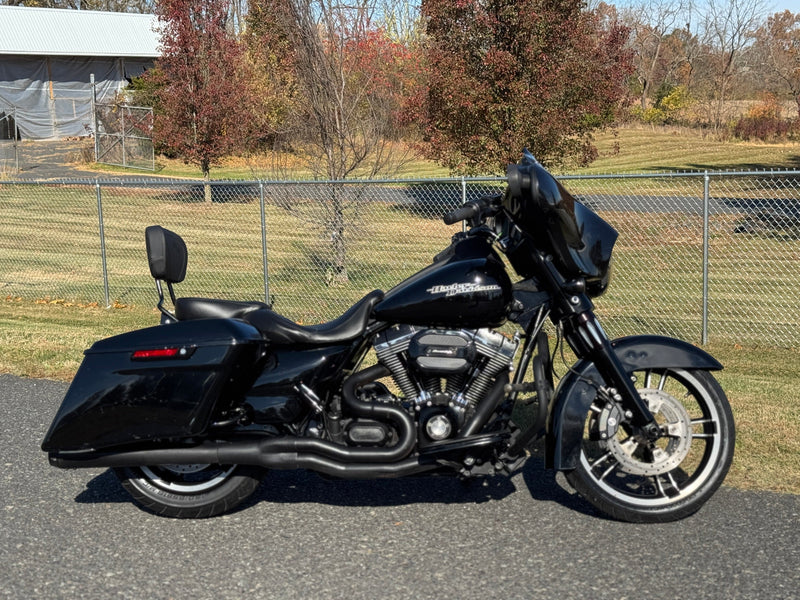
(579, 240)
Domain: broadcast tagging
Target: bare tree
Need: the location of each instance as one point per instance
(728, 26)
(689, 49)
(403, 21)
(778, 47)
(346, 97)
(347, 124)
(651, 21)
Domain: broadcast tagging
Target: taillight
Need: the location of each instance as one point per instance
(162, 353)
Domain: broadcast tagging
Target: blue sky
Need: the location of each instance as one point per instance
(792, 5)
(773, 6)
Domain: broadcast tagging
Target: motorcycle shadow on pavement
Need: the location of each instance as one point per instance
(306, 487)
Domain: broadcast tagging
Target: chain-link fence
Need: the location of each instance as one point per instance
(708, 256)
(124, 136)
(9, 138)
(700, 257)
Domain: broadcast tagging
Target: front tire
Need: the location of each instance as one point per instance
(672, 478)
(189, 491)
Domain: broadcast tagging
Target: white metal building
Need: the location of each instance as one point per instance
(47, 57)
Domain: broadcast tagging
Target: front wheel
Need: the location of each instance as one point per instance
(190, 491)
(641, 482)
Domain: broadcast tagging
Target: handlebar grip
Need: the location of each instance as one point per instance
(467, 211)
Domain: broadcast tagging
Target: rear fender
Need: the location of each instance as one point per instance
(575, 394)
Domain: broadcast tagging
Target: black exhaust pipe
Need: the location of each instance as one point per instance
(245, 453)
(406, 429)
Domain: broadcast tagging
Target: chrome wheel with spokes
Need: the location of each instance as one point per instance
(635, 480)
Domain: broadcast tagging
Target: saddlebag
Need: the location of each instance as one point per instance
(163, 382)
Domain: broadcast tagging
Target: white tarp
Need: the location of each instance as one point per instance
(52, 95)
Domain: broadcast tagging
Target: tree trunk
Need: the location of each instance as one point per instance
(207, 183)
(643, 98)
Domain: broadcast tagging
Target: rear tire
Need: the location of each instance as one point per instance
(190, 491)
(671, 479)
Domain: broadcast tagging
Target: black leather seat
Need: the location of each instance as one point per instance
(213, 308)
(280, 331)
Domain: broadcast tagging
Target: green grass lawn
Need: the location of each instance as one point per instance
(260, 168)
(646, 149)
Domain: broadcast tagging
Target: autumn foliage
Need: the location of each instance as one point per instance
(763, 121)
(204, 87)
(391, 71)
(506, 74)
(339, 87)
(488, 78)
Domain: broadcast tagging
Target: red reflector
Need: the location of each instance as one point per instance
(156, 353)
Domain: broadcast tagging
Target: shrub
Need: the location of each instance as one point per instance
(761, 128)
(763, 121)
(669, 100)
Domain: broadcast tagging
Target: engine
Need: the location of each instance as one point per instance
(443, 373)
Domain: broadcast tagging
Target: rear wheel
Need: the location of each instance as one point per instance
(190, 491)
(636, 481)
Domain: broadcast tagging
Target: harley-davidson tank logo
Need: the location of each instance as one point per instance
(456, 289)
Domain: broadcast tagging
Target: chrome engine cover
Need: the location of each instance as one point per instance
(468, 361)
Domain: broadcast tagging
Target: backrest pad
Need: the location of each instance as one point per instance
(166, 254)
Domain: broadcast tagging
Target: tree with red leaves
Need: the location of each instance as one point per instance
(508, 74)
(205, 98)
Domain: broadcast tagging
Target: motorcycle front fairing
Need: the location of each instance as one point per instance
(579, 240)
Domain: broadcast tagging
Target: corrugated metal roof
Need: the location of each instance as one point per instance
(65, 32)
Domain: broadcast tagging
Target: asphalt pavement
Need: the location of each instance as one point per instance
(70, 534)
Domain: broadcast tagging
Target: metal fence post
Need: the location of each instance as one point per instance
(94, 119)
(16, 140)
(264, 241)
(706, 195)
(102, 242)
(122, 126)
(463, 199)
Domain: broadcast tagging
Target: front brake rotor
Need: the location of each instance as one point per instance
(638, 458)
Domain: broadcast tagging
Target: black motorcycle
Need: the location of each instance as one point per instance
(192, 412)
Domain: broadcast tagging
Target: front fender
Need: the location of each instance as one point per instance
(574, 395)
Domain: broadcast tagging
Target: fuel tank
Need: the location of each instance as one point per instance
(467, 286)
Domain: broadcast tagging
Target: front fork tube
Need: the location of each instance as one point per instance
(588, 340)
